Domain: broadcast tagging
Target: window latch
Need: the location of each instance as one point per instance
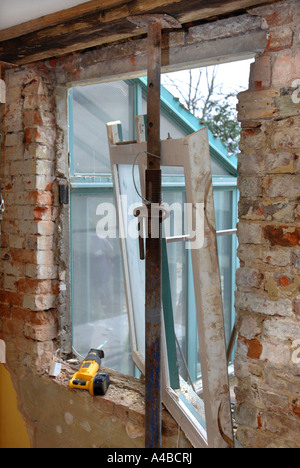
(158, 213)
(2, 207)
(63, 194)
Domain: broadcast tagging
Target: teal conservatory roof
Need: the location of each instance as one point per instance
(189, 123)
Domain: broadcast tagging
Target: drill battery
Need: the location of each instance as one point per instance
(89, 376)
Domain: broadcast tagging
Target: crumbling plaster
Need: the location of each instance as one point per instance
(57, 417)
(35, 282)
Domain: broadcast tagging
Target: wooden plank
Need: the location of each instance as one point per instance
(207, 287)
(96, 23)
(64, 38)
(59, 17)
(199, 10)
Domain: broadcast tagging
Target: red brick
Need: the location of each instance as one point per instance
(296, 408)
(40, 332)
(23, 256)
(34, 118)
(284, 236)
(12, 298)
(43, 135)
(284, 281)
(38, 302)
(280, 16)
(281, 38)
(14, 268)
(42, 213)
(35, 197)
(55, 287)
(260, 77)
(29, 285)
(41, 272)
(254, 348)
(283, 70)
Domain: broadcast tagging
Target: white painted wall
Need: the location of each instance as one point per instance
(14, 12)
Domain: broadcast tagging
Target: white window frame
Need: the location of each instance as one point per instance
(192, 153)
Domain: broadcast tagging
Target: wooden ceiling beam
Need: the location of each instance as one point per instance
(100, 22)
(53, 19)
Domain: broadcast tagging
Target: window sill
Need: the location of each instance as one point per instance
(124, 405)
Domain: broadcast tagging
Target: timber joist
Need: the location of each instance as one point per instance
(99, 22)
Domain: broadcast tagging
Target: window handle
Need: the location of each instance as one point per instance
(159, 212)
(140, 213)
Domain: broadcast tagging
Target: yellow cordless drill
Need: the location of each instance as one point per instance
(88, 377)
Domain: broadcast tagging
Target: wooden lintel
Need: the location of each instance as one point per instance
(94, 65)
(101, 22)
(7, 64)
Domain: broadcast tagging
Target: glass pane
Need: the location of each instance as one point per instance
(217, 169)
(183, 301)
(223, 210)
(170, 128)
(99, 308)
(93, 107)
(225, 264)
(177, 261)
(129, 201)
(181, 291)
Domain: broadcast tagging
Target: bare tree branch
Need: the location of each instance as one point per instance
(206, 100)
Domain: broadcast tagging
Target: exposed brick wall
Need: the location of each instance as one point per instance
(29, 274)
(268, 282)
(34, 281)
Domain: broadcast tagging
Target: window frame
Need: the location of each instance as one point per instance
(183, 153)
(104, 181)
(227, 184)
(88, 183)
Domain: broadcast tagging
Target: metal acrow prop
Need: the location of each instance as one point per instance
(154, 24)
